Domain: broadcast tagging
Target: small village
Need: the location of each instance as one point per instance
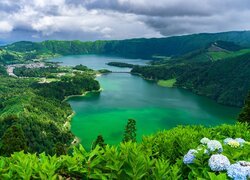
(10, 68)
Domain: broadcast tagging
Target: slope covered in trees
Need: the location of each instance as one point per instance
(133, 48)
(38, 112)
(227, 81)
(245, 113)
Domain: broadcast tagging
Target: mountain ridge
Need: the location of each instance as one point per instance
(134, 48)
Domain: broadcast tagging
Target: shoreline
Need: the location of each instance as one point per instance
(187, 89)
(82, 95)
(67, 124)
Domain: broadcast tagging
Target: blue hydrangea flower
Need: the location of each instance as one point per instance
(240, 140)
(227, 140)
(189, 157)
(214, 145)
(239, 170)
(218, 162)
(246, 165)
(204, 140)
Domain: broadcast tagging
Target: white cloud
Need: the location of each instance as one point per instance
(5, 27)
(119, 19)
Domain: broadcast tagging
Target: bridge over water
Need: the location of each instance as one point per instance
(120, 72)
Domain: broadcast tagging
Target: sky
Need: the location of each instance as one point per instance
(86, 20)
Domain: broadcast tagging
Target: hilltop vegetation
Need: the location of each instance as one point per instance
(214, 51)
(7, 57)
(133, 48)
(14, 57)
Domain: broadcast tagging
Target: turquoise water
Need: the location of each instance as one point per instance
(127, 96)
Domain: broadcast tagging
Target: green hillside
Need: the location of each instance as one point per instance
(134, 48)
(214, 51)
(36, 108)
(7, 57)
(226, 81)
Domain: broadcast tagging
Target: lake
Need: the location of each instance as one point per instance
(127, 96)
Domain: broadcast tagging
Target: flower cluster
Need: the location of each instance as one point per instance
(235, 143)
(218, 162)
(204, 140)
(239, 170)
(227, 140)
(214, 145)
(190, 156)
(241, 141)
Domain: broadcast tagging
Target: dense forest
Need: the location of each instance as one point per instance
(36, 72)
(245, 113)
(226, 81)
(35, 111)
(120, 64)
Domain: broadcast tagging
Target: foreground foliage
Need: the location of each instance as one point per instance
(159, 156)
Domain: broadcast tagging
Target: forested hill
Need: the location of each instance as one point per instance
(134, 48)
(226, 81)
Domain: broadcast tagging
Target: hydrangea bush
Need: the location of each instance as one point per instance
(230, 159)
(239, 170)
(158, 156)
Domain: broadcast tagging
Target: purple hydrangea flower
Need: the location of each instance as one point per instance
(218, 162)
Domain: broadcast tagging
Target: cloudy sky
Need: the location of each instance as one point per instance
(118, 19)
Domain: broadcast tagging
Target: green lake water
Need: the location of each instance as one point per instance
(127, 96)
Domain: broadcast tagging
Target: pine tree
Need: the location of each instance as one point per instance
(244, 116)
(13, 140)
(130, 131)
(99, 141)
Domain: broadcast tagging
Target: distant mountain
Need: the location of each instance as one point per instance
(138, 48)
(214, 51)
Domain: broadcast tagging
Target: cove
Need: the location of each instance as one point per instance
(127, 96)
